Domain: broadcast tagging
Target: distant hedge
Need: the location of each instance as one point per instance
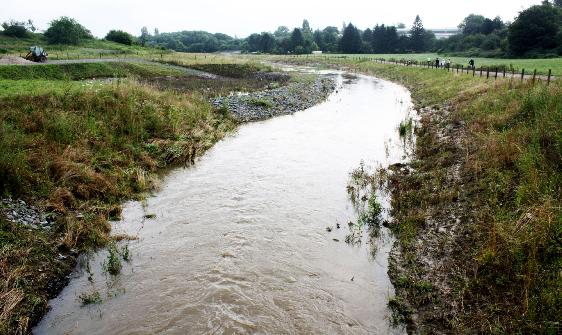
(120, 36)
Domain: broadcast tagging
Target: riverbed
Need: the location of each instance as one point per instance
(238, 243)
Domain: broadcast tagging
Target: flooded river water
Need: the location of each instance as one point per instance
(238, 243)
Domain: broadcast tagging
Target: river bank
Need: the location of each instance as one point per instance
(67, 173)
(477, 213)
(238, 243)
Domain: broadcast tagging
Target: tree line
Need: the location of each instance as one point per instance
(350, 39)
(537, 31)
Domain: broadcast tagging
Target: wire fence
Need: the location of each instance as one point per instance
(493, 72)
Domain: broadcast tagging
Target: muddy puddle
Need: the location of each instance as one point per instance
(237, 244)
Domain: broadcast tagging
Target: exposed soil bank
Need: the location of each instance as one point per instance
(477, 214)
(425, 266)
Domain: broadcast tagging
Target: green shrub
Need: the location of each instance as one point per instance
(119, 36)
(14, 29)
(66, 30)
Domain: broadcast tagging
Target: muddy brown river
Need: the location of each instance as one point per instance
(239, 244)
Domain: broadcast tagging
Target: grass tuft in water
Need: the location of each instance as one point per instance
(112, 264)
(406, 127)
(90, 298)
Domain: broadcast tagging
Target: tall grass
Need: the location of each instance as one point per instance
(517, 168)
(508, 261)
(80, 71)
(84, 151)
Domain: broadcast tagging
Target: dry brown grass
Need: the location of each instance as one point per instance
(79, 154)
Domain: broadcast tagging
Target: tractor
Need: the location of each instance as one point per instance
(36, 54)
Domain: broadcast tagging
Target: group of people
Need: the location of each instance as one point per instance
(446, 63)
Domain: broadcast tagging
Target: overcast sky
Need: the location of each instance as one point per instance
(243, 17)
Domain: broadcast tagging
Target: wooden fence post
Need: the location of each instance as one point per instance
(496, 77)
(481, 71)
(549, 74)
(487, 72)
(534, 75)
(522, 74)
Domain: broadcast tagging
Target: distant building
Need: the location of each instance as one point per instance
(317, 52)
(439, 33)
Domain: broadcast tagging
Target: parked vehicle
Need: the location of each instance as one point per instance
(36, 54)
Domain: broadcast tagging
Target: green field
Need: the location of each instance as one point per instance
(92, 48)
(541, 65)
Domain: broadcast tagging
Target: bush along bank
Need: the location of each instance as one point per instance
(477, 214)
(69, 158)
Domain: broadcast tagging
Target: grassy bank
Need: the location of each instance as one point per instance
(78, 71)
(78, 149)
(479, 218)
(542, 65)
(92, 48)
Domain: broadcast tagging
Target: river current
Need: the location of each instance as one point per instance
(237, 243)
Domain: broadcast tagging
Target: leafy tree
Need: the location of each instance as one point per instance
(196, 41)
(330, 37)
(558, 3)
(306, 31)
(384, 39)
(306, 27)
(491, 42)
(267, 43)
(282, 32)
(119, 36)
(15, 29)
(319, 40)
(351, 40)
(297, 40)
(472, 24)
(391, 37)
(535, 28)
(253, 42)
(478, 24)
(66, 30)
(30, 26)
(417, 35)
(429, 40)
(367, 39)
(144, 36)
